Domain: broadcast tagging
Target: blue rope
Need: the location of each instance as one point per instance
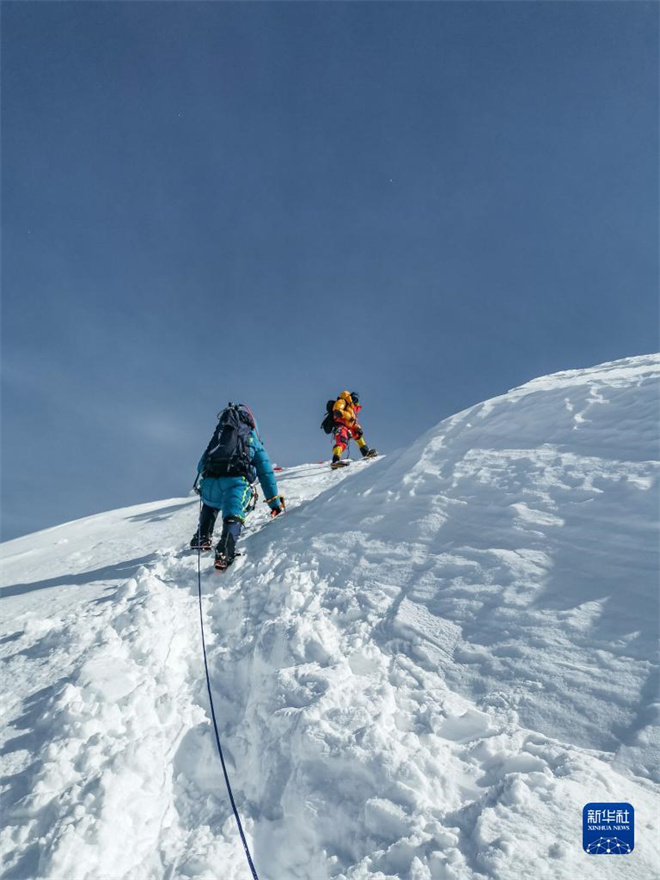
(215, 723)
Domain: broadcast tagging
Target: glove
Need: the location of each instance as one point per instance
(279, 507)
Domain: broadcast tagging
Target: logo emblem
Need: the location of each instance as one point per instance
(608, 829)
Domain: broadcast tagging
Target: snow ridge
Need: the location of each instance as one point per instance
(423, 671)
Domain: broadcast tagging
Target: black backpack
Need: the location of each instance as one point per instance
(229, 453)
(328, 423)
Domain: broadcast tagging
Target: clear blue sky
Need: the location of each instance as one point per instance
(427, 202)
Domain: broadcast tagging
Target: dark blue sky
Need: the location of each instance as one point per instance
(427, 202)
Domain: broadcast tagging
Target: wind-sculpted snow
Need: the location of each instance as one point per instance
(423, 671)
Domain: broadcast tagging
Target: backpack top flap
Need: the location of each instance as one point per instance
(229, 453)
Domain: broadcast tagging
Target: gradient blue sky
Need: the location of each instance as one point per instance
(427, 202)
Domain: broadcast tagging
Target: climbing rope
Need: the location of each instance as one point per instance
(215, 723)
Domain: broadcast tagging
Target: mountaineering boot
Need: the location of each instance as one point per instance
(222, 562)
(226, 549)
(203, 543)
(340, 463)
(367, 453)
(224, 553)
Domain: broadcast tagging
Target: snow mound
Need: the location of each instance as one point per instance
(423, 671)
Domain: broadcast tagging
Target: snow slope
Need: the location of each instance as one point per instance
(424, 671)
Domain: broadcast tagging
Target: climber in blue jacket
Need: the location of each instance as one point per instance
(233, 460)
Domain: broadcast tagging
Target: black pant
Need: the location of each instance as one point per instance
(231, 529)
(207, 520)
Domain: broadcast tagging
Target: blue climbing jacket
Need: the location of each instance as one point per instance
(232, 494)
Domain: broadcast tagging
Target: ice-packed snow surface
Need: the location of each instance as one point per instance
(424, 670)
